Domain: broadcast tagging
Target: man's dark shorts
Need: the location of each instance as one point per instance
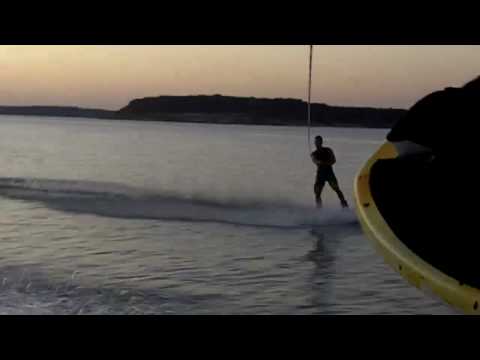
(325, 175)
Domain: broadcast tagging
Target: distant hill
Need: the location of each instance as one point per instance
(225, 110)
(249, 110)
(66, 111)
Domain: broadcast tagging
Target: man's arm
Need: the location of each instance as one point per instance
(332, 159)
(315, 160)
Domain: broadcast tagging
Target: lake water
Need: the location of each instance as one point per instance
(128, 217)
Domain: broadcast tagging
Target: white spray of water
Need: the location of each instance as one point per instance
(116, 200)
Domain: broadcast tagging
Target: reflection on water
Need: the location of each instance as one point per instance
(322, 256)
(325, 244)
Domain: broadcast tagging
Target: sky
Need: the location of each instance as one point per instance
(108, 77)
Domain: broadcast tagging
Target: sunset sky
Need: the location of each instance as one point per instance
(110, 76)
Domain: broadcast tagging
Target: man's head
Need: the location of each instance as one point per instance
(318, 141)
(473, 85)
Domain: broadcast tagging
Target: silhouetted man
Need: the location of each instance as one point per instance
(324, 158)
(442, 124)
(427, 191)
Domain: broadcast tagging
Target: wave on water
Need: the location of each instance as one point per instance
(121, 201)
(28, 290)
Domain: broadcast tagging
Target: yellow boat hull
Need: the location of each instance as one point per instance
(410, 266)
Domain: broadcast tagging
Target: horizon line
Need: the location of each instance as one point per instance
(209, 95)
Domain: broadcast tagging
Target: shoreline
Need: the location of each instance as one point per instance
(186, 120)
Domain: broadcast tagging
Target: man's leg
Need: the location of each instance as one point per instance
(334, 185)
(318, 188)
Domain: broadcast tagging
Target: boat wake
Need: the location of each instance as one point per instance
(121, 201)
